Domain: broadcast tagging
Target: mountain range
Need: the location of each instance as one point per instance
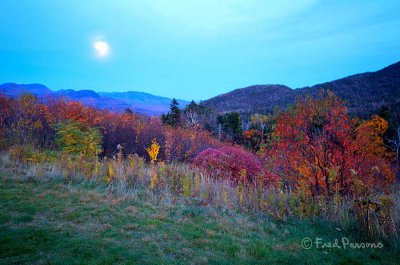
(364, 93)
(139, 102)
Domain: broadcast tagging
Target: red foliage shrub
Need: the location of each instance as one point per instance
(229, 162)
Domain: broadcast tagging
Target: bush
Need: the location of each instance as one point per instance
(229, 162)
(78, 139)
(30, 154)
(184, 144)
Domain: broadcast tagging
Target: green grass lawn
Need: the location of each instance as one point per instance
(58, 222)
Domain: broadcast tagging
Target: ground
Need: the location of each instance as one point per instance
(62, 222)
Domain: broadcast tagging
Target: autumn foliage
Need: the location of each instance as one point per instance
(313, 154)
(319, 149)
(183, 144)
(315, 147)
(61, 125)
(153, 151)
(230, 163)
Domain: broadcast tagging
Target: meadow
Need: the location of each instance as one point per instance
(50, 219)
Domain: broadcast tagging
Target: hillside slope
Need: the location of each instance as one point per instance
(258, 98)
(365, 93)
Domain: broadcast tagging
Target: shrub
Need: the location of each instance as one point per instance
(229, 162)
(78, 139)
(30, 154)
(153, 151)
(185, 144)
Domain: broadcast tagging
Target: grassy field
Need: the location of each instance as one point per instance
(55, 221)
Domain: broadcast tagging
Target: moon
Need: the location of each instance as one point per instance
(102, 48)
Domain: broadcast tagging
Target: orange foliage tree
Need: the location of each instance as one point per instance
(317, 148)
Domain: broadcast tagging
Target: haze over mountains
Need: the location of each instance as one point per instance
(365, 94)
(140, 102)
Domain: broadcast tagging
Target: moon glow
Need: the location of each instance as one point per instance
(102, 48)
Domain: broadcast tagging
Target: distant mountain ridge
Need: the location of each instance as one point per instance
(365, 94)
(140, 102)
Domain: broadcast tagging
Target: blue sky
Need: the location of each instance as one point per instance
(194, 49)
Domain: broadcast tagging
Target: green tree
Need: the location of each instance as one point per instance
(192, 106)
(231, 125)
(173, 117)
(175, 112)
(78, 139)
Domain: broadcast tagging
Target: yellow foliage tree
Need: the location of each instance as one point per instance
(153, 151)
(369, 136)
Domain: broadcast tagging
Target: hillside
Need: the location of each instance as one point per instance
(365, 93)
(258, 98)
(140, 102)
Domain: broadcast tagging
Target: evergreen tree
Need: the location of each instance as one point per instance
(192, 106)
(231, 125)
(173, 117)
(128, 111)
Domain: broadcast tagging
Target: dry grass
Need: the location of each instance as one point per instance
(169, 184)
